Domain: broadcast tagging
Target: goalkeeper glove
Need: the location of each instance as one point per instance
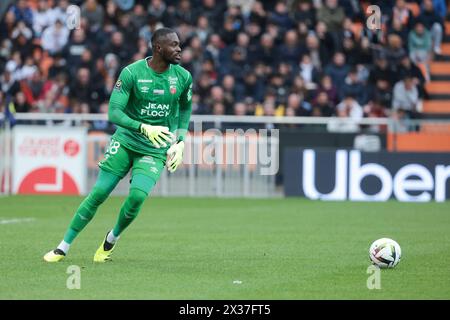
(175, 156)
(157, 134)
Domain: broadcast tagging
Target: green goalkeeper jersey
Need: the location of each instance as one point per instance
(142, 95)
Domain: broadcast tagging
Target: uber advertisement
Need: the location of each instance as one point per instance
(338, 175)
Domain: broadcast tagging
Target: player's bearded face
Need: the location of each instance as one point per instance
(170, 49)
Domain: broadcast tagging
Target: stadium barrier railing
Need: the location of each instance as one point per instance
(223, 153)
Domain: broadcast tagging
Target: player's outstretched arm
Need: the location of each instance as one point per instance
(118, 102)
(185, 110)
(175, 152)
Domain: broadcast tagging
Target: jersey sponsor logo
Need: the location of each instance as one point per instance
(118, 85)
(172, 80)
(158, 91)
(145, 80)
(156, 110)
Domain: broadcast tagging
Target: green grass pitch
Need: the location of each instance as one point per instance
(180, 248)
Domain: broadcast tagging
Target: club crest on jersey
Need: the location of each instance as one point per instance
(173, 90)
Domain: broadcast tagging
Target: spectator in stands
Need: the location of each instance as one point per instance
(240, 109)
(58, 66)
(42, 17)
(229, 92)
(81, 88)
(394, 50)
(139, 16)
(376, 109)
(327, 42)
(35, 88)
(406, 96)
(118, 48)
(74, 49)
(252, 86)
(22, 12)
(300, 107)
(268, 108)
(353, 86)
(349, 109)
(20, 102)
(322, 106)
(419, 44)
(326, 85)
(382, 70)
(234, 12)
(218, 109)
(433, 22)
(440, 7)
(213, 10)
(332, 15)
(217, 96)
(280, 16)
(184, 13)
(22, 37)
(266, 50)
(316, 52)
(257, 52)
(402, 13)
(26, 70)
(396, 27)
(94, 13)
(55, 37)
(308, 72)
(337, 70)
(299, 87)
(202, 30)
(382, 92)
(407, 67)
(8, 84)
(59, 12)
(305, 12)
(129, 32)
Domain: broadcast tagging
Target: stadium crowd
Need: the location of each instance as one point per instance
(247, 57)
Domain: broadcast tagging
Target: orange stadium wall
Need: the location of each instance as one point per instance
(419, 142)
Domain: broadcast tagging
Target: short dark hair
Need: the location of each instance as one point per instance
(160, 33)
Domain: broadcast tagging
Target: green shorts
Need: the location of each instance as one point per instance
(119, 160)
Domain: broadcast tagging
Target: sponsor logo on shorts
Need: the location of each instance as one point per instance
(147, 159)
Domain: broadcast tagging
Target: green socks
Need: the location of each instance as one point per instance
(106, 182)
(129, 211)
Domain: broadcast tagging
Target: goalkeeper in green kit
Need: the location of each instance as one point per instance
(151, 105)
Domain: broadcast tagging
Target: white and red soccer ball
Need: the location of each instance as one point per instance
(385, 253)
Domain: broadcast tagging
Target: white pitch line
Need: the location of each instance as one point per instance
(9, 221)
